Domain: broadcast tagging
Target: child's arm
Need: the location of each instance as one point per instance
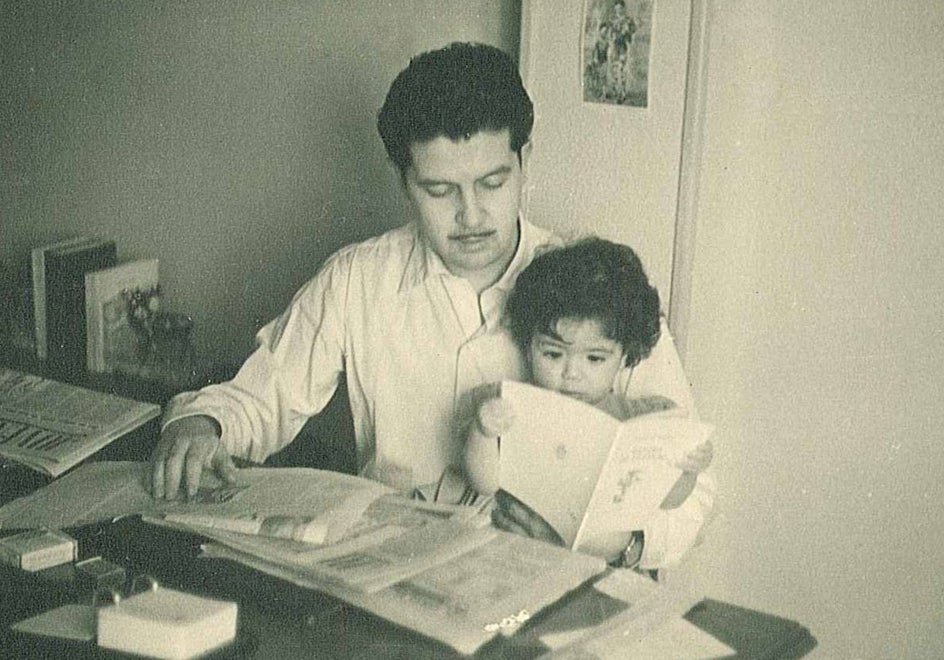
(480, 455)
(694, 462)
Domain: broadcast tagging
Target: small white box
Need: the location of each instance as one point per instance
(164, 623)
(36, 549)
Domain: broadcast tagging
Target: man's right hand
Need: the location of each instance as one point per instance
(187, 447)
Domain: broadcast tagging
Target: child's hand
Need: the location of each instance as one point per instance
(495, 416)
(698, 459)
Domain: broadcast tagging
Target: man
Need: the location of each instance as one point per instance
(411, 317)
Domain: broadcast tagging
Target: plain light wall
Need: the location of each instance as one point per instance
(235, 142)
(815, 338)
(607, 169)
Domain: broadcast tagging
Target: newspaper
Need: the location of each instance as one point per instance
(464, 601)
(107, 490)
(51, 426)
(370, 548)
(441, 570)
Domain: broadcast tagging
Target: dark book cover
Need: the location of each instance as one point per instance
(65, 271)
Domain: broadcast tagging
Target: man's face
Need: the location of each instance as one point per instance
(467, 195)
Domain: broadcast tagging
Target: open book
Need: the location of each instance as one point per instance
(51, 426)
(585, 472)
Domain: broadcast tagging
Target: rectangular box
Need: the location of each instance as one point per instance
(37, 549)
(165, 623)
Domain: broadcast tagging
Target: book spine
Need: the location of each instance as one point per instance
(39, 300)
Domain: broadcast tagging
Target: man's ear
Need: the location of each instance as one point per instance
(525, 158)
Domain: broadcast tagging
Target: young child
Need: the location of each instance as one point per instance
(580, 314)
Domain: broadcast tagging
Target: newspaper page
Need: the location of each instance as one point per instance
(464, 601)
(51, 426)
(107, 490)
(391, 539)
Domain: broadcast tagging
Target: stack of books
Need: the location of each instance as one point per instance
(85, 304)
(59, 298)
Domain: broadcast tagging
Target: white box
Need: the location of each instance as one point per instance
(164, 623)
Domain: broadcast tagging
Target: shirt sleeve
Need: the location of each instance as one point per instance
(673, 532)
(290, 376)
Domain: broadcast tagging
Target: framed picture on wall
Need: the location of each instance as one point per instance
(615, 51)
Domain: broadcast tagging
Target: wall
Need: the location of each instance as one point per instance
(607, 169)
(815, 340)
(233, 141)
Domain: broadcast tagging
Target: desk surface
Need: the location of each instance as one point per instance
(280, 620)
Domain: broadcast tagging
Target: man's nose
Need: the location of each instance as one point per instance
(469, 213)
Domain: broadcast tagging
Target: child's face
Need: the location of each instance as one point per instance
(579, 361)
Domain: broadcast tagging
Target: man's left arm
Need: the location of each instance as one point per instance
(659, 375)
(671, 533)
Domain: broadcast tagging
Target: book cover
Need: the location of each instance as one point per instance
(52, 426)
(38, 263)
(586, 472)
(110, 339)
(65, 300)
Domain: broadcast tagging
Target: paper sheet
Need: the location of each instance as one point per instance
(464, 601)
(51, 426)
(75, 622)
(103, 491)
(393, 539)
(650, 606)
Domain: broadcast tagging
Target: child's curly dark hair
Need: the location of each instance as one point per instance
(589, 279)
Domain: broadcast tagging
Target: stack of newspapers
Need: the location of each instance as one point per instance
(440, 570)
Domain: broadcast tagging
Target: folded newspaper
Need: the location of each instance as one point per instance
(51, 426)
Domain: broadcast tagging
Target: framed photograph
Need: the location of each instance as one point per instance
(615, 51)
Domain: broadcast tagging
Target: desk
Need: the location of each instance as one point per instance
(281, 620)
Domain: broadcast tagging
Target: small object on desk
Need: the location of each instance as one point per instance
(97, 573)
(36, 549)
(76, 622)
(164, 623)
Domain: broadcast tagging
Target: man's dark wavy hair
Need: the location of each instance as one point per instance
(456, 91)
(590, 279)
